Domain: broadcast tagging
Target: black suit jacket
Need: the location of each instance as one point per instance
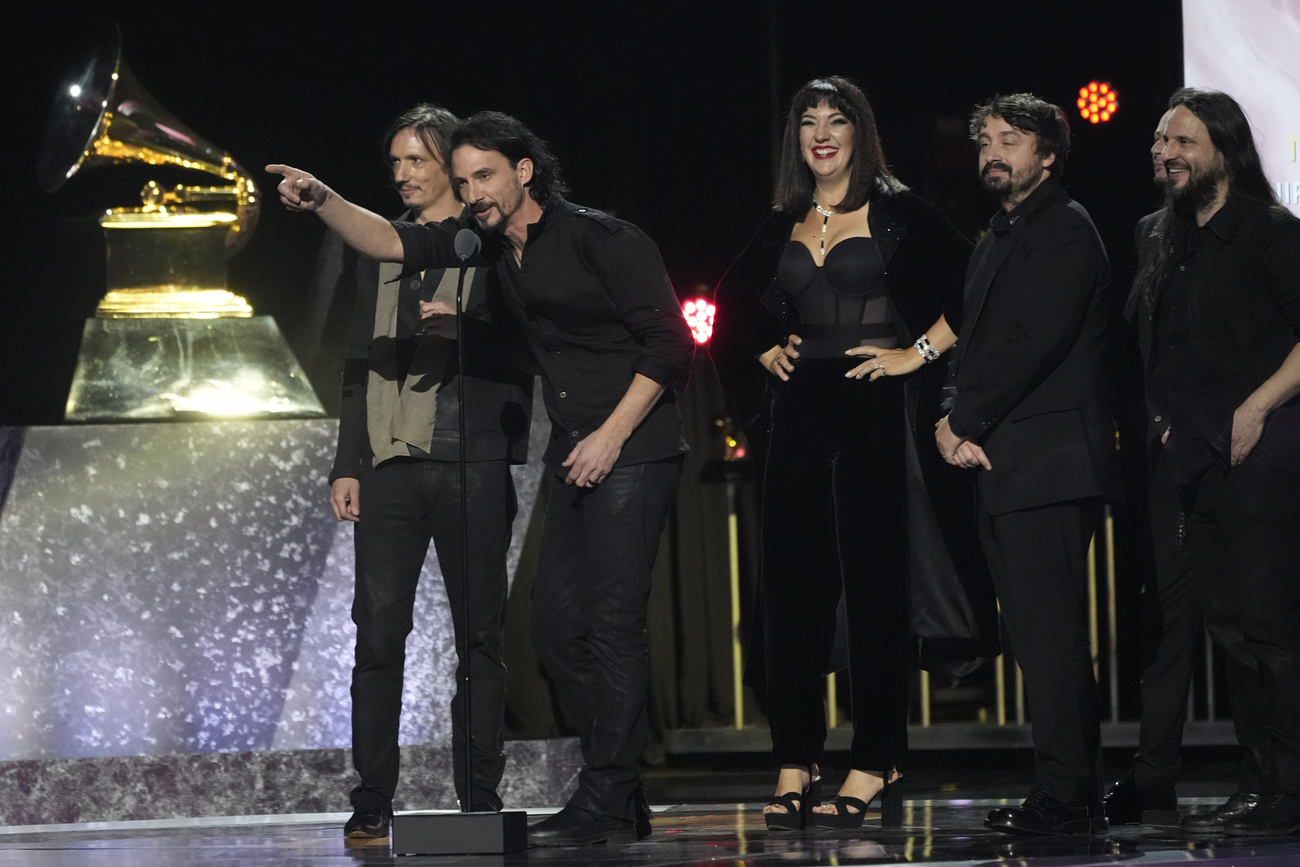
(1030, 379)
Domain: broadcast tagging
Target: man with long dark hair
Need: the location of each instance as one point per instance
(1032, 413)
(603, 324)
(1218, 322)
(398, 453)
(1170, 608)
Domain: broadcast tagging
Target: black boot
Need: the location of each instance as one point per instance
(1127, 803)
(1276, 814)
(1212, 822)
(1043, 814)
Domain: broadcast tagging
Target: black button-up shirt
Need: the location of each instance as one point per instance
(596, 308)
(1231, 319)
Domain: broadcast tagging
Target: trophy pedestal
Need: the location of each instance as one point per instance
(155, 369)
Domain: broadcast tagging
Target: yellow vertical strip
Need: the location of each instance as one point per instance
(925, 697)
(1092, 604)
(1020, 695)
(832, 703)
(1112, 617)
(737, 650)
(1000, 679)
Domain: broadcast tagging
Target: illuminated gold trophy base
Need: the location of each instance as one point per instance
(168, 341)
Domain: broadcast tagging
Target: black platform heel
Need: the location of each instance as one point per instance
(798, 806)
(891, 809)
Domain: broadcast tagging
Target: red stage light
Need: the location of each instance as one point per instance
(1097, 102)
(699, 314)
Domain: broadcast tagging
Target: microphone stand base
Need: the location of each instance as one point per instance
(445, 833)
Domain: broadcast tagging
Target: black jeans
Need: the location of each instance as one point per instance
(1172, 612)
(405, 504)
(589, 610)
(1039, 561)
(1244, 532)
(834, 523)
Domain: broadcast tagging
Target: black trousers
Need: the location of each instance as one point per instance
(1039, 561)
(404, 505)
(1243, 529)
(589, 611)
(834, 524)
(1172, 608)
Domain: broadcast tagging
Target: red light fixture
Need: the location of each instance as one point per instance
(1097, 102)
(699, 316)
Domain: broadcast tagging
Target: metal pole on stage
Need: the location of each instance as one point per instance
(467, 832)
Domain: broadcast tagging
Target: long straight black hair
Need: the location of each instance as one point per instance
(1229, 132)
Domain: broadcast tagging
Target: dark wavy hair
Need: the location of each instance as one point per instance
(495, 131)
(432, 124)
(1028, 113)
(1230, 133)
(869, 170)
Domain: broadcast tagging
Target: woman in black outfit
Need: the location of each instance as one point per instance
(839, 303)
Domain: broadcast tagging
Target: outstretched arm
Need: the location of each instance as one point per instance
(362, 230)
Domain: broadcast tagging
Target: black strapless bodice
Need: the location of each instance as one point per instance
(841, 304)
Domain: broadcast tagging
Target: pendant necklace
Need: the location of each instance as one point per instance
(826, 218)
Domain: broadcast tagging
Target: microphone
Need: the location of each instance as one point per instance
(467, 244)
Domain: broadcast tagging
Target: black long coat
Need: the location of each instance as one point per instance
(954, 612)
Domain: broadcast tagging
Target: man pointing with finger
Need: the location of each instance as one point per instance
(603, 324)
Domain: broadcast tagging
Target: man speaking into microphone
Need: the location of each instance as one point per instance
(603, 324)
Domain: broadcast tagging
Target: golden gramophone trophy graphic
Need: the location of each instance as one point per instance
(168, 340)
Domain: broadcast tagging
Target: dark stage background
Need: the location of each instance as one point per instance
(661, 113)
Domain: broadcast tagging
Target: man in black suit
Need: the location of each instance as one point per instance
(1031, 408)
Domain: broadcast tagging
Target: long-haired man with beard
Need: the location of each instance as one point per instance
(1219, 324)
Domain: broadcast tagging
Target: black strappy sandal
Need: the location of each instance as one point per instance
(798, 807)
(891, 809)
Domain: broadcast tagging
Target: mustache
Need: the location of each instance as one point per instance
(401, 185)
(996, 164)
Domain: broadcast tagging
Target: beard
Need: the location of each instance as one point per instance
(1199, 192)
(1013, 185)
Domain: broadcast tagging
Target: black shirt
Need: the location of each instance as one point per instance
(1240, 277)
(596, 308)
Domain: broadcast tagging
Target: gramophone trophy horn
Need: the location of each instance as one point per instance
(103, 115)
(168, 340)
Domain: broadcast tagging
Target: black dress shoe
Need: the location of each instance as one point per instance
(1127, 803)
(575, 827)
(1212, 822)
(368, 823)
(1276, 814)
(1043, 814)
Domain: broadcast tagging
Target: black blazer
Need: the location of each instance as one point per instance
(1030, 370)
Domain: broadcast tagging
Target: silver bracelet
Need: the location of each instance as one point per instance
(928, 352)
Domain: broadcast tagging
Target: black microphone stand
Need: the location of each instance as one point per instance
(468, 832)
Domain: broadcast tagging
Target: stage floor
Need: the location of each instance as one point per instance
(936, 832)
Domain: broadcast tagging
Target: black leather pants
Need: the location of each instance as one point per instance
(589, 610)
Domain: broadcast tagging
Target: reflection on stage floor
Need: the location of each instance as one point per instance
(935, 832)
